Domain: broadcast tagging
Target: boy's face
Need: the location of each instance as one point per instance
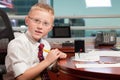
(39, 23)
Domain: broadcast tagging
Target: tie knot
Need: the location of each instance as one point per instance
(41, 46)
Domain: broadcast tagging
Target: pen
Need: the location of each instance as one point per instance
(46, 50)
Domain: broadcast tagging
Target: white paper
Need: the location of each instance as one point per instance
(95, 55)
(86, 57)
(96, 65)
(106, 53)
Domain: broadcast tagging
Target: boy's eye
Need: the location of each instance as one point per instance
(46, 23)
(36, 20)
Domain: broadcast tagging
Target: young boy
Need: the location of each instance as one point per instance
(22, 60)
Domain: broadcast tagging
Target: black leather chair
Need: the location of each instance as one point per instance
(6, 34)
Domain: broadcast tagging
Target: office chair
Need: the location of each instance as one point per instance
(6, 34)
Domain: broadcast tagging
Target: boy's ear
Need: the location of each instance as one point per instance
(26, 20)
(51, 28)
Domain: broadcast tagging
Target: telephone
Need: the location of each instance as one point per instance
(105, 38)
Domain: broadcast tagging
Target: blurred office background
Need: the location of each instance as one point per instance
(84, 19)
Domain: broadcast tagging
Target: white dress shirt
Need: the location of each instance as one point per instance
(23, 54)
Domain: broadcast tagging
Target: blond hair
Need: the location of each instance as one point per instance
(42, 7)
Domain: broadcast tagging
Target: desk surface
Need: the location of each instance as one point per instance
(67, 66)
(104, 73)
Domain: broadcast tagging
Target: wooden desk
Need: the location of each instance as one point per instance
(68, 71)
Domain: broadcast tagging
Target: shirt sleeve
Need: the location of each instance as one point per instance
(16, 57)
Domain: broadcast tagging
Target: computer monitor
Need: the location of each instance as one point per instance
(61, 32)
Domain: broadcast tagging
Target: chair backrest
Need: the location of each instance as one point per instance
(6, 34)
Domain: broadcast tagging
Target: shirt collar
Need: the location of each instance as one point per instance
(31, 39)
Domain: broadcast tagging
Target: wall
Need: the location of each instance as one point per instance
(78, 8)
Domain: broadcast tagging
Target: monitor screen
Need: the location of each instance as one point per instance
(61, 32)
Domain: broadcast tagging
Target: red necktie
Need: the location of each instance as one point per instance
(44, 73)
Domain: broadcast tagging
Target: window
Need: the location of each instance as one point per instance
(98, 3)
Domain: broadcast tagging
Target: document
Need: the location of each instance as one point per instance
(86, 57)
(96, 65)
(95, 56)
(105, 53)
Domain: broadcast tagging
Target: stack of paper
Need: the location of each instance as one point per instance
(96, 65)
(86, 57)
(95, 56)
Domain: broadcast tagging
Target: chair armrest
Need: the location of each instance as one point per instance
(2, 69)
